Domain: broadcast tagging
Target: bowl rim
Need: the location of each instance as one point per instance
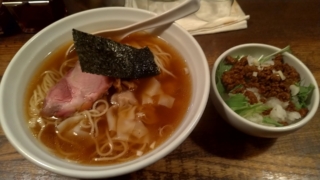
(251, 124)
(130, 167)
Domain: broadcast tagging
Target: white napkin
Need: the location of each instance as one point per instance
(192, 23)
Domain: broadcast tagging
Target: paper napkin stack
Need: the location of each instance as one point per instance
(210, 23)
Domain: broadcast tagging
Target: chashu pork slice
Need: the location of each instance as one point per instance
(76, 91)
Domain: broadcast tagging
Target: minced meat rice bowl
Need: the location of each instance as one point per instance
(264, 91)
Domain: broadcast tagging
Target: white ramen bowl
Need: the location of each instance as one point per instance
(22, 67)
(251, 128)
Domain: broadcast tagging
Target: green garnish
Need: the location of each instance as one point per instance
(237, 87)
(239, 57)
(302, 98)
(268, 120)
(237, 101)
(240, 104)
(222, 67)
(266, 58)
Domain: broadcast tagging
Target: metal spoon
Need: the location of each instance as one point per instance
(184, 9)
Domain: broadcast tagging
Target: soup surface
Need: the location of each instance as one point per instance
(109, 132)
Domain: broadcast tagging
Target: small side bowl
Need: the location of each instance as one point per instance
(247, 126)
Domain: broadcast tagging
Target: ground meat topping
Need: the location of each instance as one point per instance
(252, 97)
(268, 80)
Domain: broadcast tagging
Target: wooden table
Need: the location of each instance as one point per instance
(215, 150)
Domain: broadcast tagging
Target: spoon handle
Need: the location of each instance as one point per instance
(186, 8)
(182, 10)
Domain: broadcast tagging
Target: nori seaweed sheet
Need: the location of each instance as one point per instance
(102, 56)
